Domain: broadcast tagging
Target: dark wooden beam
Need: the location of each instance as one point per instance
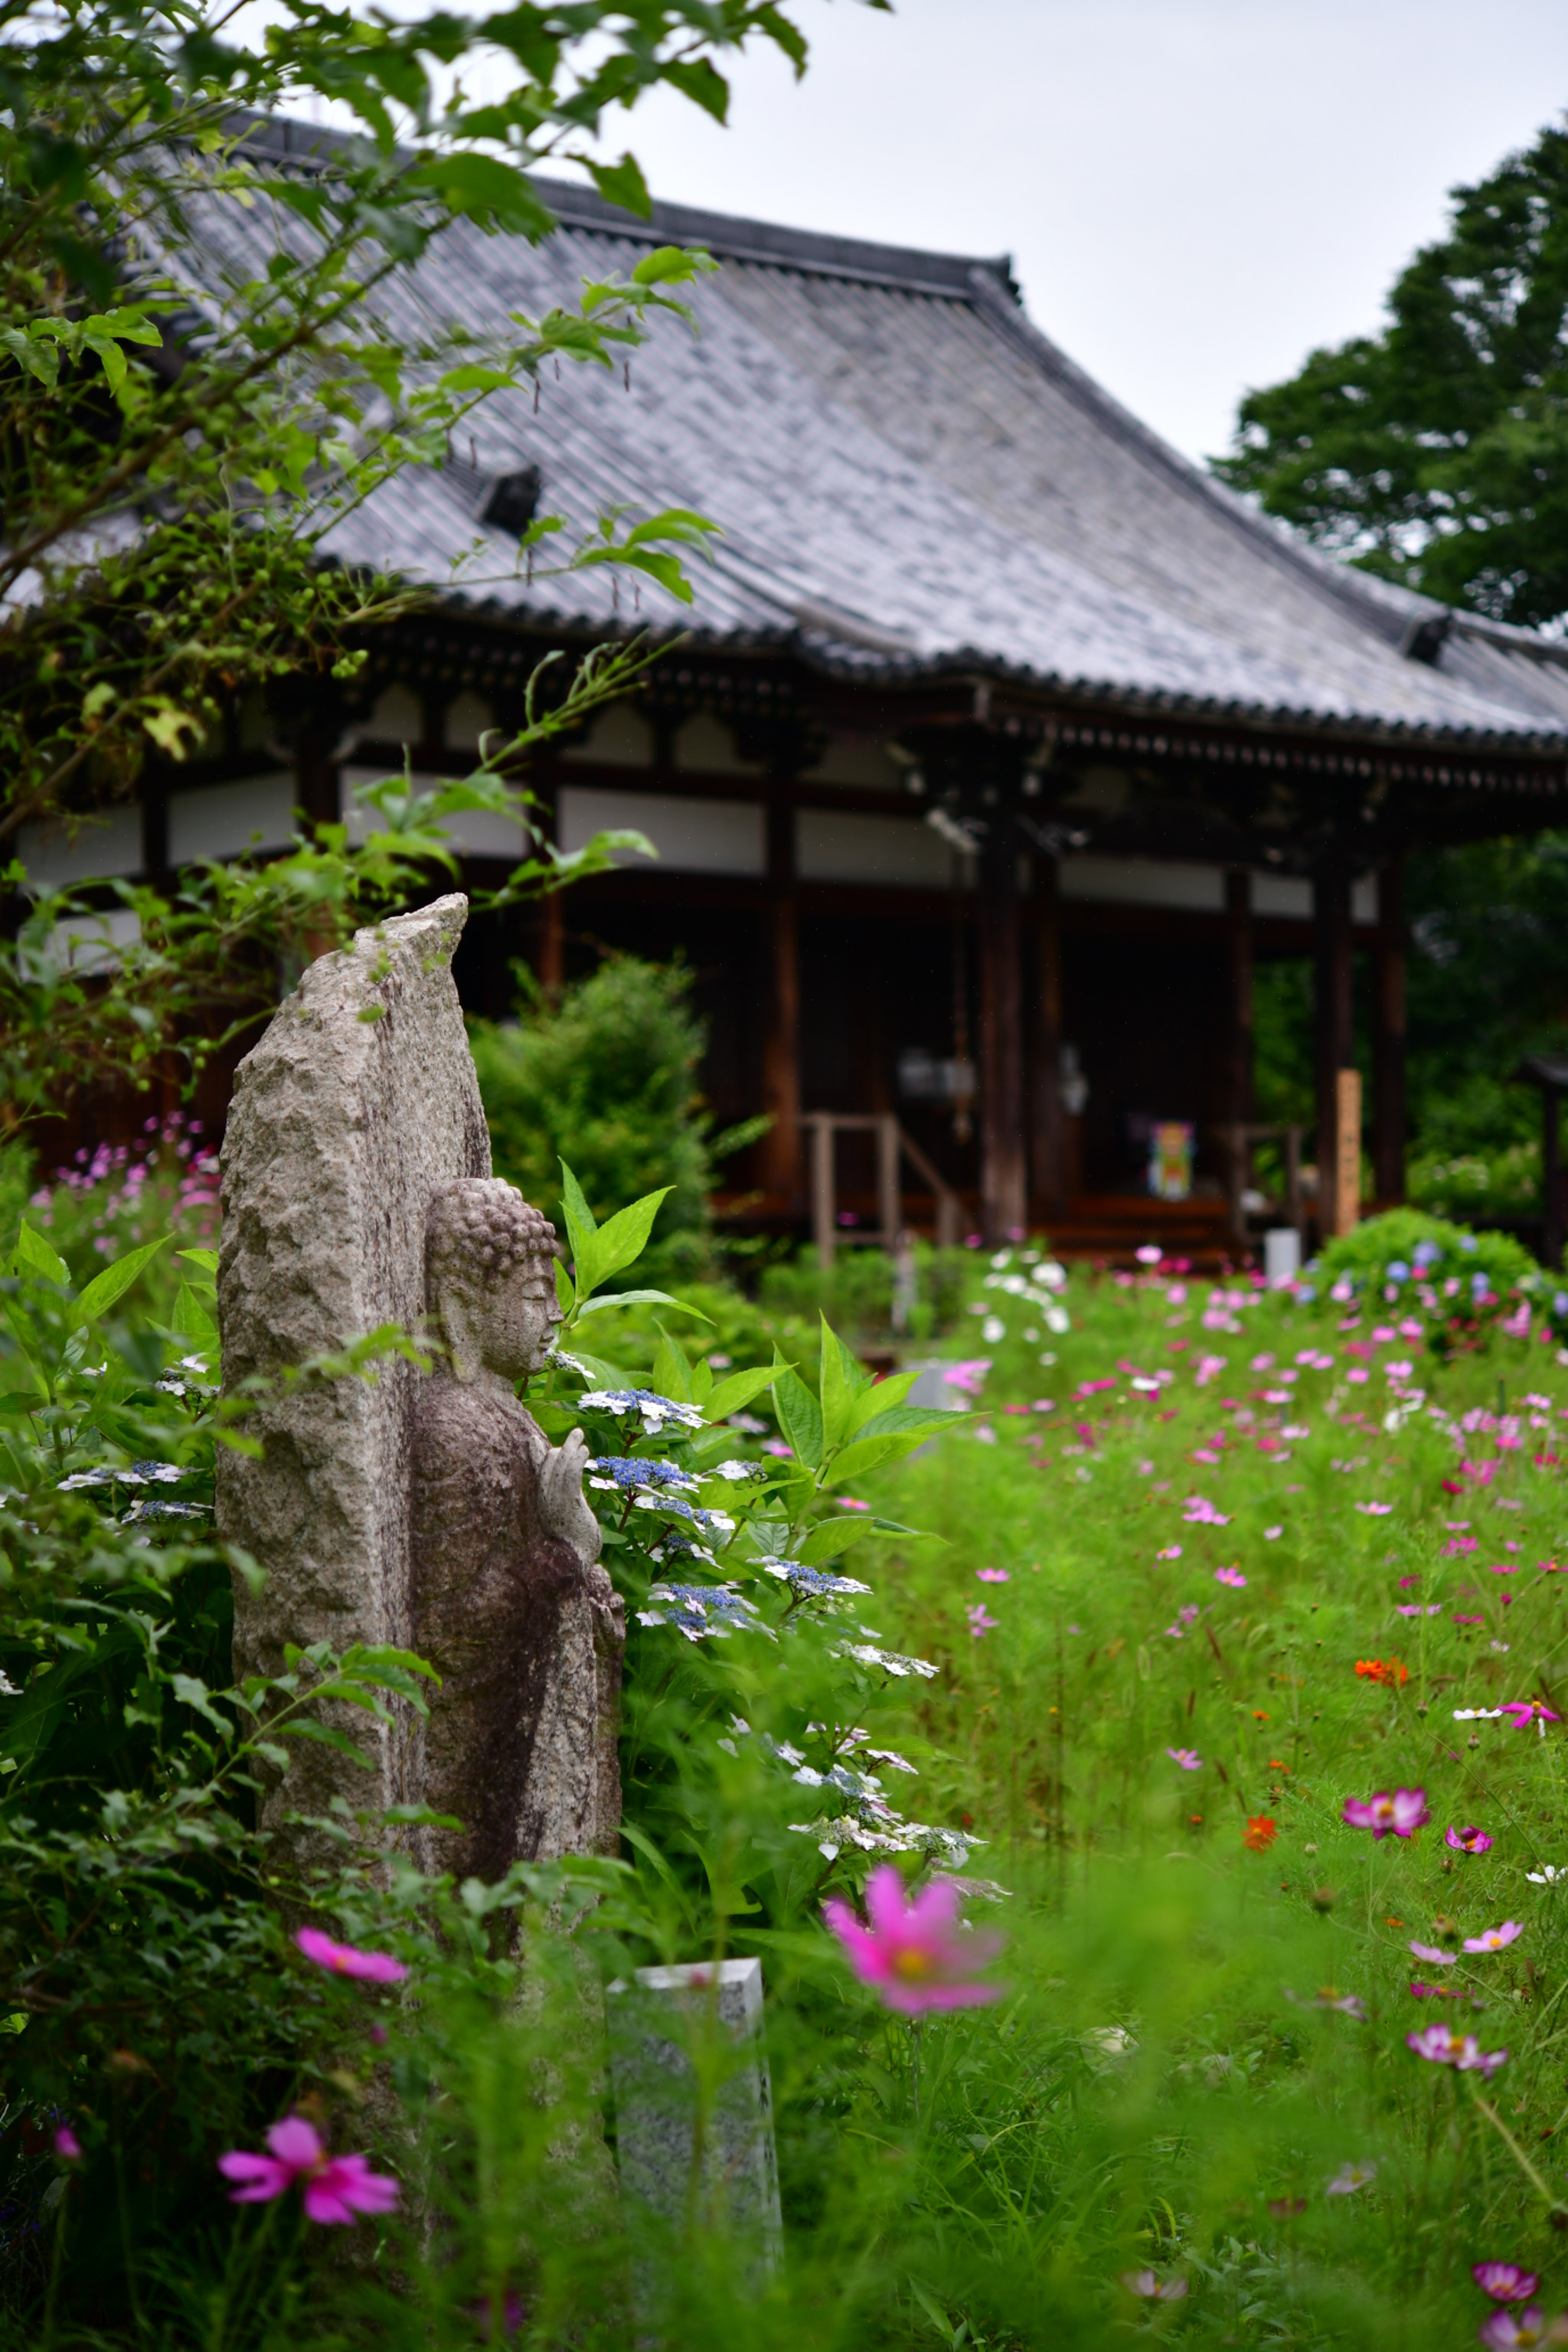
(1388, 1105)
(1239, 946)
(1003, 1190)
(1333, 1011)
(780, 1153)
(1050, 1187)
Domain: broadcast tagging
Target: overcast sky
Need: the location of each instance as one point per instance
(1195, 192)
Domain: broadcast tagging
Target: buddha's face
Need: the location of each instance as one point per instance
(503, 1327)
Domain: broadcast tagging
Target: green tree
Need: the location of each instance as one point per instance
(199, 378)
(1435, 452)
(605, 1078)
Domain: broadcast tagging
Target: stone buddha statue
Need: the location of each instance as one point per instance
(509, 1603)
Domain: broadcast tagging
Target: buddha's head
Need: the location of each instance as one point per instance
(490, 1278)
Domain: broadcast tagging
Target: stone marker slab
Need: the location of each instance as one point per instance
(653, 2025)
(358, 1101)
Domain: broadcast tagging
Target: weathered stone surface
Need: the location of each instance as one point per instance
(657, 2026)
(509, 1603)
(357, 1104)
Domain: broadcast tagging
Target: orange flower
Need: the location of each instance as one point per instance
(1382, 1670)
(1260, 1715)
(1260, 1833)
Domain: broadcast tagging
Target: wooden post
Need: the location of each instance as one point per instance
(1388, 1039)
(780, 1150)
(823, 1194)
(1333, 1011)
(1049, 1135)
(1003, 1205)
(1238, 945)
(889, 1196)
(1347, 1151)
(1551, 1178)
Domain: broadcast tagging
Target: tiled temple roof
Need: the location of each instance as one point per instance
(912, 480)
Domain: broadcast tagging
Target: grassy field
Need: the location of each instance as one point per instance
(1239, 1559)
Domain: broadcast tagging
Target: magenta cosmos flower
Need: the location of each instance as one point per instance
(1467, 1841)
(915, 1954)
(1495, 1939)
(1187, 1757)
(336, 2188)
(347, 1960)
(68, 2147)
(1229, 1576)
(1403, 1812)
(1521, 1711)
(1507, 2331)
(1504, 2282)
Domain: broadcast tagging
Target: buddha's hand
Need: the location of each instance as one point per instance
(563, 1509)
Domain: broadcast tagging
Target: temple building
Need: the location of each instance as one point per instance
(998, 747)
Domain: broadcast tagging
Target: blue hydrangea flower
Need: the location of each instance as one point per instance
(813, 1583)
(703, 1613)
(713, 1522)
(654, 1410)
(1398, 1271)
(626, 1470)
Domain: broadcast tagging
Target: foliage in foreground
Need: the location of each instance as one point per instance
(1226, 1561)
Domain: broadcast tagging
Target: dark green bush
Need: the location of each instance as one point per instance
(605, 1076)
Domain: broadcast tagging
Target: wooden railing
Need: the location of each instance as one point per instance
(893, 1147)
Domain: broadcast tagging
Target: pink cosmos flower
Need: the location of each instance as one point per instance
(1495, 1939)
(1376, 1510)
(1403, 1812)
(914, 1954)
(1467, 1841)
(347, 1960)
(68, 2147)
(1505, 2282)
(1229, 1576)
(1521, 1711)
(1507, 1567)
(993, 1575)
(1434, 1955)
(981, 1621)
(1152, 2288)
(336, 2188)
(1198, 1511)
(1187, 1757)
(1456, 1544)
(1444, 2047)
(1503, 2331)
(967, 1377)
(1272, 1535)
(1172, 1551)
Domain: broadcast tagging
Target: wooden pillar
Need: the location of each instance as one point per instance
(1552, 1177)
(1334, 1009)
(1049, 1133)
(1239, 953)
(780, 1149)
(1388, 1038)
(1003, 1202)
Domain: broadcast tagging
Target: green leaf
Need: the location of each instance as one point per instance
(581, 1232)
(842, 1381)
(624, 1236)
(701, 1371)
(879, 1397)
(623, 184)
(113, 1283)
(495, 195)
(671, 1372)
(207, 1259)
(667, 265)
(325, 1736)
(800, 1417)
(193, 1693)
(566, 1295)
(702, 82)
(642, 1298)
(738, 1389)
(191, 1319)
(34, 1255)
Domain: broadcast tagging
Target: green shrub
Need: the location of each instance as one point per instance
(605, 1076)
(1458, 1284)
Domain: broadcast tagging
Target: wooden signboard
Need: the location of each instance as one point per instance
(1347, 1151)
